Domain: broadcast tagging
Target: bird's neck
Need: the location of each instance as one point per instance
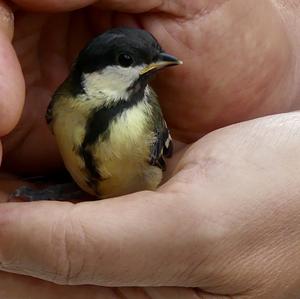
(100, 118)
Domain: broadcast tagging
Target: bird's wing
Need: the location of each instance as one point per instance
(162, 146)
(49, 113)
(63, 91)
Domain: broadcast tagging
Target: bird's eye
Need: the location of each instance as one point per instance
(125, 60)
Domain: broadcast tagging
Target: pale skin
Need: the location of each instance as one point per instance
(227, 222)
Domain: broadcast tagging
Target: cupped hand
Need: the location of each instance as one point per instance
(211, 227)
(226, 225)
(239, 57)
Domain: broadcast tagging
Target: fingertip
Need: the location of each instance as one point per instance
(12, 87)
(12, 83)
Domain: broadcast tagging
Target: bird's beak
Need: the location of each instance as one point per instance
(164, 60)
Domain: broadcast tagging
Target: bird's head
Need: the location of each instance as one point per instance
(118, 63)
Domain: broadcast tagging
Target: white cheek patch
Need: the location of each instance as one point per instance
(112, 82)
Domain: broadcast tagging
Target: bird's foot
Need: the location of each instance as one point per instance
(61, 192)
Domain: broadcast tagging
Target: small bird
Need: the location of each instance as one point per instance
(106, 119)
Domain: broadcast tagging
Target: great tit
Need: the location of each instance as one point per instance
(107, 121)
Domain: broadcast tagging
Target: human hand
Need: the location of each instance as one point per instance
(209, 93)
(240, 62)
(226, 225)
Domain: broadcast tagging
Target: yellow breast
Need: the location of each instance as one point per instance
(121, 158)
(69, 130)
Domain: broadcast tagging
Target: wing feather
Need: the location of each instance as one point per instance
(162, 146)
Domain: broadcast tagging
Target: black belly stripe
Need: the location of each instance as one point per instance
(94, 175)
(97, 125)
(100, 118)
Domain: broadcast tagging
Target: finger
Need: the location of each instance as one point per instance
(128, 241)
(11, 80)
(180, 8)
(57, 5)
(53, 5)
(15, 286)
(12, 89)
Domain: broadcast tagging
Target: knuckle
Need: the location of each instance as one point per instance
(70, 254)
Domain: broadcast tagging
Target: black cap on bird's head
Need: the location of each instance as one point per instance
(116, 59)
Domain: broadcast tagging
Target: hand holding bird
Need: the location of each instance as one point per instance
(225, 224)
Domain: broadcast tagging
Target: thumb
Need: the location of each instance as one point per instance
(130, 6)
(145, 239)
(53, 5)
(57, 5)
(12, 81)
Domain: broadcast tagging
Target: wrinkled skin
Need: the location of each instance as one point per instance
(231, 72)
(229, 225)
